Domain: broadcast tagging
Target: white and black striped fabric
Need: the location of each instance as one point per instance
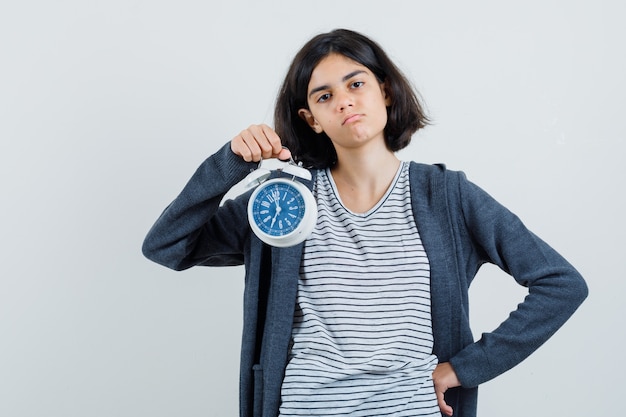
(362, 337)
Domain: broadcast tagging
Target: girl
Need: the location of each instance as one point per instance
(369, 316)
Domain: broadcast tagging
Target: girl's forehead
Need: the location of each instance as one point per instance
(335, 66)
(336, 59)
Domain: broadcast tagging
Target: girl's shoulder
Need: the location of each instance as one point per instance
(434, 174)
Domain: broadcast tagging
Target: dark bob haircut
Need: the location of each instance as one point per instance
(404, 117)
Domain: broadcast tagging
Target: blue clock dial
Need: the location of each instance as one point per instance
(278, 208)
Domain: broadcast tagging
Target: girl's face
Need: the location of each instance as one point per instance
(347, 102)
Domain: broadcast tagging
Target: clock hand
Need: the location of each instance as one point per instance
(278, 209)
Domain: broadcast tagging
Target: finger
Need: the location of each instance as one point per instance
(284, 154)
(238, 146)
(273, 140)
(443, 406)
(251, 142)
(262, 136)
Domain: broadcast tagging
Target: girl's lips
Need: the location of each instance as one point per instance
(351, 118)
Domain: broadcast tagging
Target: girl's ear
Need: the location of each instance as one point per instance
(386, 95)
(307, 116)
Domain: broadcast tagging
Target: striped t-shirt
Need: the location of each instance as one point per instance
(362, 336)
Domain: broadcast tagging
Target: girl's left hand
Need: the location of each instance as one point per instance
(444, 378)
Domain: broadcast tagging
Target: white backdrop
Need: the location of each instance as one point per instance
(106, 108)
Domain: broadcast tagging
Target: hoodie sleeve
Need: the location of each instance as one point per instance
(555, 288)
(194, 229)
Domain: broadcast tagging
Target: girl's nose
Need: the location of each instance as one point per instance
(344, 100)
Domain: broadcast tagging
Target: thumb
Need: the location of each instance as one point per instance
(284, 154)
(443, 406)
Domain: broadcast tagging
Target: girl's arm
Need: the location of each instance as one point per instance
(555, 288)
(194, 229)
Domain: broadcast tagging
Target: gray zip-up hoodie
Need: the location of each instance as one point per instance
(461, 228)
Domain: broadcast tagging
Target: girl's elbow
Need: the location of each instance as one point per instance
(159, 254)
(581, 288)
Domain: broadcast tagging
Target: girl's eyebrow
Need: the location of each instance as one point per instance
(326, 86)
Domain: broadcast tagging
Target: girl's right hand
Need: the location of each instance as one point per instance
(259, 142)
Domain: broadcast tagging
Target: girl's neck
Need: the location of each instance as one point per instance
(362, 179)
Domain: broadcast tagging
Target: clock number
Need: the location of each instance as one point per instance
(275, 195)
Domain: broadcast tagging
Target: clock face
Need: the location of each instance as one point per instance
(278, 208)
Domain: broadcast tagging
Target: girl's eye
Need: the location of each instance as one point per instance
(357, 84)
(323, 98)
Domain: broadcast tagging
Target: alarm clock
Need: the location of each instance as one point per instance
(282, 211)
